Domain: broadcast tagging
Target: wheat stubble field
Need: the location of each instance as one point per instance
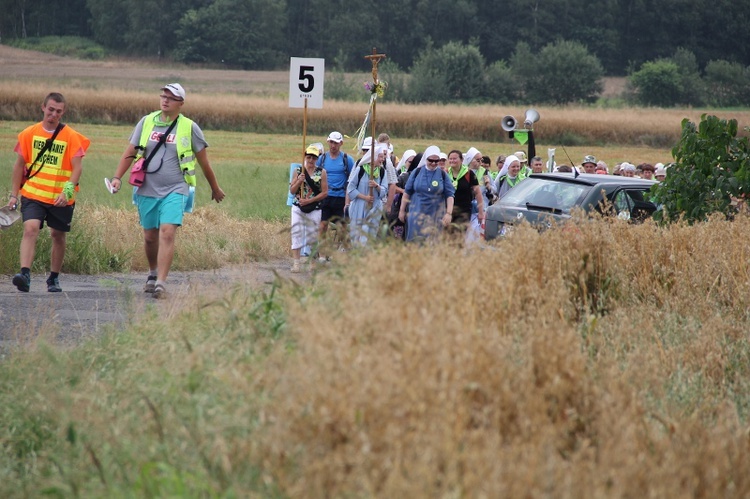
(605, 360)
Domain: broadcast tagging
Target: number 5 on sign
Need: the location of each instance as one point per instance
(306, 82)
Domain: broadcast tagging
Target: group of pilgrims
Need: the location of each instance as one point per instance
(416, 197)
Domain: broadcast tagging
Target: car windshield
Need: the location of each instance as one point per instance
(548, 193)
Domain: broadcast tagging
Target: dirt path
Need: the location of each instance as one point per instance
(89, 304)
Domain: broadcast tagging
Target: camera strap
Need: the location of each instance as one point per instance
(47, 145)
(162, 140)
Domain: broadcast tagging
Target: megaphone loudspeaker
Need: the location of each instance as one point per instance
(532, 116)
(509, 123)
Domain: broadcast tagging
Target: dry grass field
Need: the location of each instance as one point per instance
(122, 91)
(608, 361)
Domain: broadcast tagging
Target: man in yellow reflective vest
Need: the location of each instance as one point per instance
(171, 144)
(45, 182)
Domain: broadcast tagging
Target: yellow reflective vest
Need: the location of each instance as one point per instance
(183, 141)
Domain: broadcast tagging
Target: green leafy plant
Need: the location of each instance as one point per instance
(710, 173)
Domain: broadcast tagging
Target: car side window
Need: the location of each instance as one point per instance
(641, 208)
(631, 205)
(622, 204)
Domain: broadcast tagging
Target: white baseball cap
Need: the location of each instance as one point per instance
(176, 90)
(335, 137)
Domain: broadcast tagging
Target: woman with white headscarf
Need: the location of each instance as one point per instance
(367, 189)
(428, 197)
(473, 159)
(405, 162)
(509, 176)
(404, 166)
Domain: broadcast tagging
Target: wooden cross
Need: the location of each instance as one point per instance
(374, 59)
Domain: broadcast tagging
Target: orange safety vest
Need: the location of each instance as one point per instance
(47, 185)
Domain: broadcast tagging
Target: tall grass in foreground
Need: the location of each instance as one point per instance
(106, 240)
(606, 360)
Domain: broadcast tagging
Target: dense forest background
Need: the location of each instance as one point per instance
(262, 34)
(673, 52)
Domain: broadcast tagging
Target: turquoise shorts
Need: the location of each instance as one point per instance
(156, 211)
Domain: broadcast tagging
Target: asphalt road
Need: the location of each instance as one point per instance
(89, 304)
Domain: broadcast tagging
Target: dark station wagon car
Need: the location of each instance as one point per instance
(545, 199)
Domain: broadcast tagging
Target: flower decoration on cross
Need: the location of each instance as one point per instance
(378, 88)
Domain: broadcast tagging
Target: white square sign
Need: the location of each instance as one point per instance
(306, 78)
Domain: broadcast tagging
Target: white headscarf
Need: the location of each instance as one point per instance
(409, 153)
(470, 154)
(380, 148)
(430, 151)
(507, 163)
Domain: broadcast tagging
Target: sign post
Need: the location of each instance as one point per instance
(306, 78)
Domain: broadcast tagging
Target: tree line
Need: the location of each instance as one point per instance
(262, 34)
(552, 52)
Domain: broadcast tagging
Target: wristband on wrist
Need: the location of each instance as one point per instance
(14, 197)
(115, 178)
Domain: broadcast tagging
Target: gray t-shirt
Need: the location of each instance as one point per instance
(168, 176)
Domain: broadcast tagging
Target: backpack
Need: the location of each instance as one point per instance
(346, 163)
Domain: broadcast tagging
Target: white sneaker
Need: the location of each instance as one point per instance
(296, 269)
(160, 291)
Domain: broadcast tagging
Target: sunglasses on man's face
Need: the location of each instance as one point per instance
(434, 161)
